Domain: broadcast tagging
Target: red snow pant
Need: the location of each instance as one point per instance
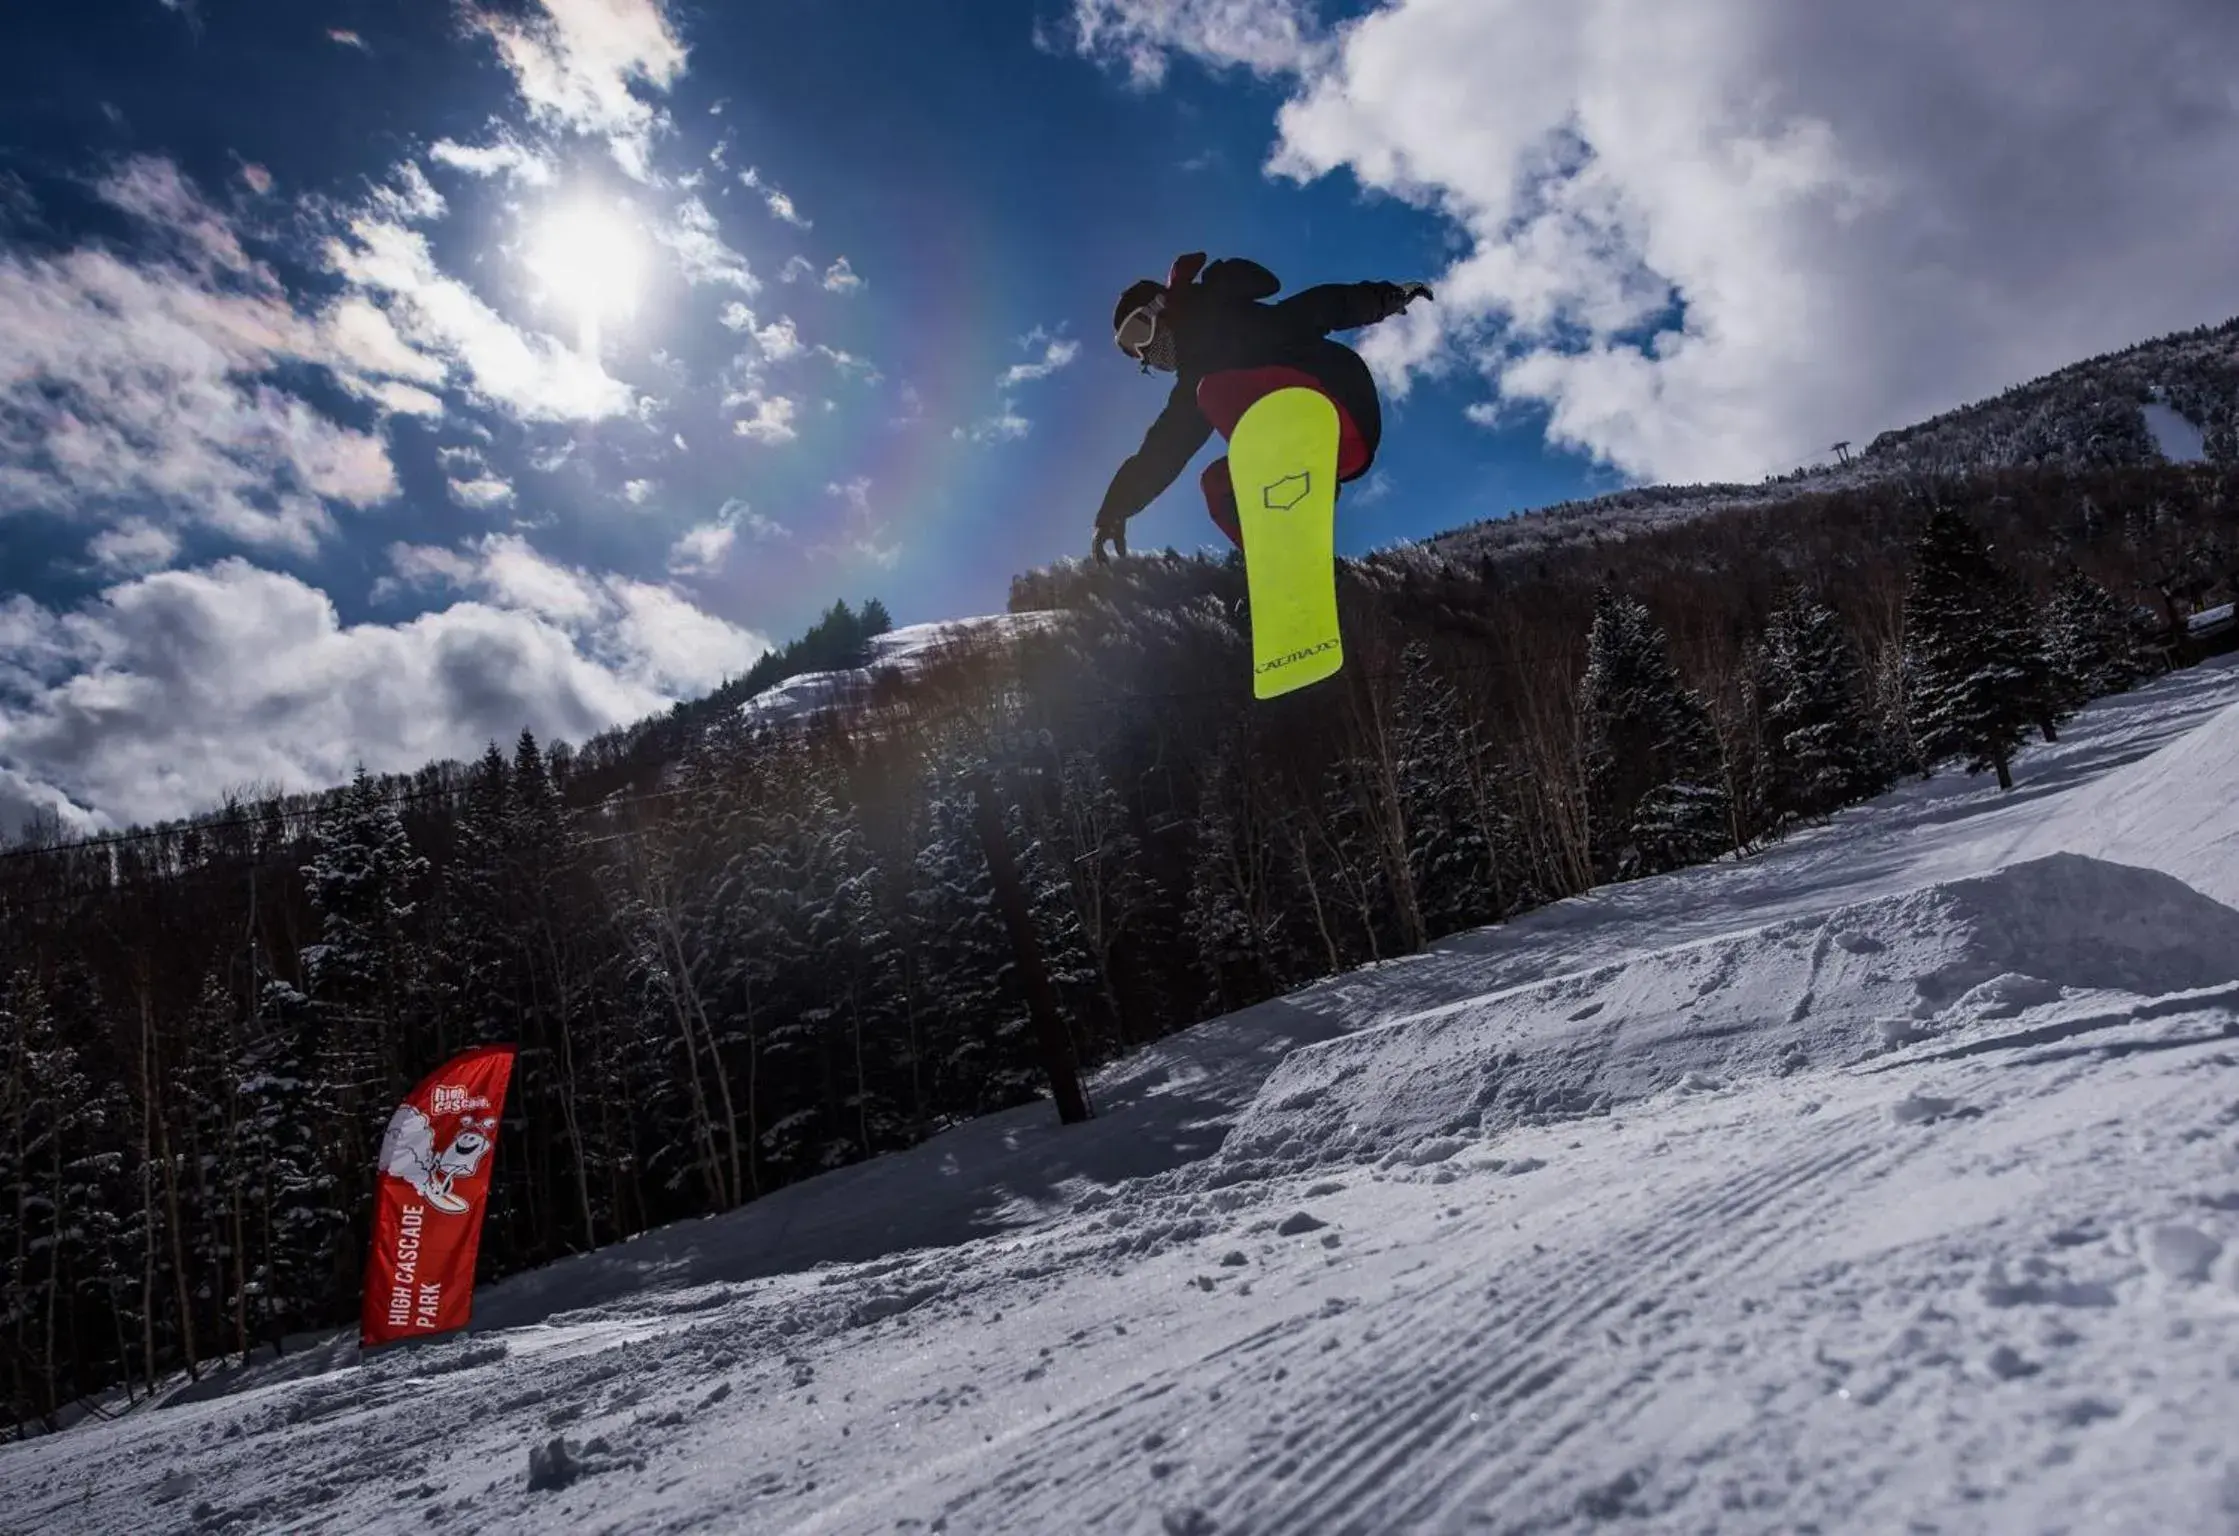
(1225, 397)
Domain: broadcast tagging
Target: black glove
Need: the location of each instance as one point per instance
(1410, 292)
(1114, 534)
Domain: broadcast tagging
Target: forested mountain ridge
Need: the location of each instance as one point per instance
(2092, 414)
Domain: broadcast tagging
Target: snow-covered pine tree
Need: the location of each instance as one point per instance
(1453, 825)
(292, 1189)
(2089, 641)
(1821, 751)
(973, 1023)
(834, 1067)
(362, 981)
(1347, 857)
(473, 964)
(1066, 954)
(557, 1081)
(686, 1132)
(1233, 913)
(868, 1024)
(1980, 681)
(1102, 858)
(1651, 755)
(47, 1123)
(363, 881)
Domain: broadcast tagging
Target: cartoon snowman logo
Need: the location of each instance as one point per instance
(409, 1152)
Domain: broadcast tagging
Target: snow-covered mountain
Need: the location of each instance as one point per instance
(895, 656)
(2174, 399)
(1887, 1180)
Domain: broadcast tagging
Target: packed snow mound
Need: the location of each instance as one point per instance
(1831, 989)
(2176, 811)
(894, 655)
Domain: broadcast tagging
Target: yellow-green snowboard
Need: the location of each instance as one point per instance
(1282, 460)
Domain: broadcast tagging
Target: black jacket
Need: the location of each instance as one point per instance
(1219, 323)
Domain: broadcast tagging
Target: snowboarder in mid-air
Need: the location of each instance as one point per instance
(1210, 327)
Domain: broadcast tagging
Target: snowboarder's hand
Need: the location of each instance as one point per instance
(1115, 535)
(1410, 292)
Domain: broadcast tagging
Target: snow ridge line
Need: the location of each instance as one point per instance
(2202, 1000)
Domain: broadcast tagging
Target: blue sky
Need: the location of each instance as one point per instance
(988, 191)
(384, 377)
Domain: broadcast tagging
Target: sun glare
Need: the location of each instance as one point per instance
(588, 260)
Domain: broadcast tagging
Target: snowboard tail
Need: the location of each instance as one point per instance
(1282, 461)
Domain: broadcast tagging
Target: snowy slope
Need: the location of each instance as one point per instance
(1887, 1180)
(894, 655)
(2179, 440)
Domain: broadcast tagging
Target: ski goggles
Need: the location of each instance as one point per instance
(1139, 327)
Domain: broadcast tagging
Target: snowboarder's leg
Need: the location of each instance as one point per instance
(1224, 398)
(1220, 500)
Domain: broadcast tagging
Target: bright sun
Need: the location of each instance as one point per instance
(589, 260)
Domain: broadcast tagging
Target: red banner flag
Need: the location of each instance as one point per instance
(428, 1199)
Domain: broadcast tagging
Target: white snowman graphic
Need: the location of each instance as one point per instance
(409, 1152)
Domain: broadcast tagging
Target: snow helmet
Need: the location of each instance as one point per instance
(1135, 317)
(1137, 327)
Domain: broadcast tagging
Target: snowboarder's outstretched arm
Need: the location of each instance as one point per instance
(1181, 429)
(1349, 306)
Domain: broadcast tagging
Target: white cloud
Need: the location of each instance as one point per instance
(662, 641)
(636, 492)
(505, 156)
(411, 197)
(482, 493)
(1056, 354)
(700, 250)
(515, 575)
(1006, 425)
(701, 548)
(346, 38)
(839, 277)
(418, 567)
(575, 66)
(360, 332)
(770, 418)
(1268, 37)
(156, 698)
(256, 178)
(134, 545)
(153, 191)
(864, 535)
(1710, 239)
(778, 203)
(537, 379)
(776, 342)
(849, 365)
(145, 385)
(796, 268)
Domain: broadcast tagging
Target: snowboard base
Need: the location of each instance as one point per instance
(1282, 462)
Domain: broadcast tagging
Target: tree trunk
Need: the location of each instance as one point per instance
(1058, 1061)
(159, 1116)
(564, 1026)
